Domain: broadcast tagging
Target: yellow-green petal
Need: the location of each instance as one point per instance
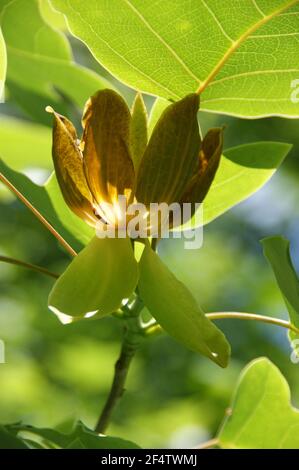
(171, 155)
(97, 280)
(138, 130)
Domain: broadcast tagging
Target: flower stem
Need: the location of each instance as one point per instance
(155, 328)
(253, 317)
(131, 341)
(33, 267)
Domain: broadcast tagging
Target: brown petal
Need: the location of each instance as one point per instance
(171, 155)
(107, 162)
(68, 165)
(209, 158)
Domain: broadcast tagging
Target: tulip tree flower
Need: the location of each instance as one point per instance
(112, 159)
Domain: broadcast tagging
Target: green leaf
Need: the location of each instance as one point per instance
(242, 57)
(25, 145)
(138, 130)
(97, 280)
(76, 444)
(80, 437)
(3, 64)
(262, 416)
(243, 170)
(10, 441)
(173, 306)
(40, 57)
(46, 202)
(277, 252)
(51, 16)
(34, 104)
(171, 155)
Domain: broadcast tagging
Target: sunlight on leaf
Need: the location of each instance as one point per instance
(262, 416)
(51, 16)
(3, 64)
(184, 46)
(40, 57)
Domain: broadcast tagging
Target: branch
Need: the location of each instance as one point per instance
(155, 328)
(33, 267)
(253, 317)
(118, 386)
(38, 214)
(131, 341)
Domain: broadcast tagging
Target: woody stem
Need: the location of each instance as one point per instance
(133, 336)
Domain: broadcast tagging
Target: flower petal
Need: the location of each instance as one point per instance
(171, 155)
(107, 162)
(97, 280)
(68, 165)
(209, 158)
(138, 130)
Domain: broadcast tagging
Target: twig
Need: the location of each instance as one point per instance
(38, 214)
(33, 267)
(131, 341)
(156, 328)
(253, 317)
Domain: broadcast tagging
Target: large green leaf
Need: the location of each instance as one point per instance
(97, 280)
(261, 416)
(80, 437)
(242, 171)
(175, 309)
(40, 57)
(3, 64)
(242, 56)
(277, 252)
(25, 145)
(46, 202)
(51, 16)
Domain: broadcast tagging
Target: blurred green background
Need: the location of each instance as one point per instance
(54, 373)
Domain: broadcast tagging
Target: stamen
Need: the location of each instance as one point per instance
(49, 109)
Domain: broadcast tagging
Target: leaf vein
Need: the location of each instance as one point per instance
(165, 44)
(119, 55)
(238, 42)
